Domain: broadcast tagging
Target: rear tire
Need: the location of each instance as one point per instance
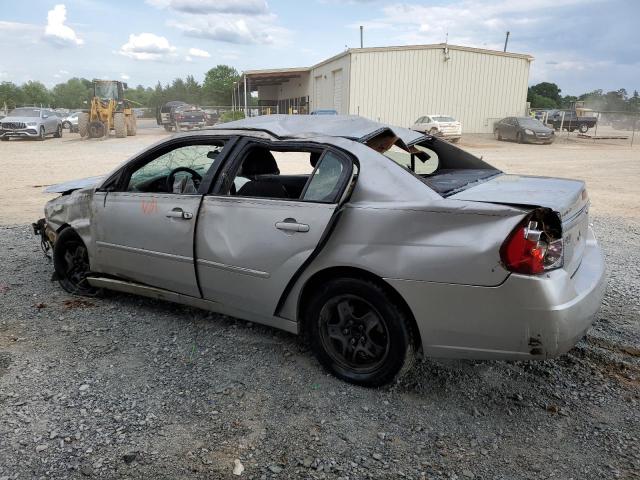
(177, 127)
(58, 133)
(168, 127)
(497, 135)
(67, 125)
(119, 125)
(83, 124)
(71, 263)
(584, 128)
(358, 333)
(132, 126)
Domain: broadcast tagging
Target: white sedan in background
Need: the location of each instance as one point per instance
(439, 125)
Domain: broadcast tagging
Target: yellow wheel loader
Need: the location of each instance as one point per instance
(109, 110)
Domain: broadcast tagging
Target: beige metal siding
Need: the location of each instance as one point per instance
(398, 86)
(330, 85)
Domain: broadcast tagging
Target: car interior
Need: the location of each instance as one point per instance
(311, 176)
(178, 171)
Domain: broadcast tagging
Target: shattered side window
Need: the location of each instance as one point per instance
(195, 157)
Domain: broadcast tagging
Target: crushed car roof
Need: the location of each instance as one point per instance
(346, 126)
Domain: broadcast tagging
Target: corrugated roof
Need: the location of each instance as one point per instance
(389, 49)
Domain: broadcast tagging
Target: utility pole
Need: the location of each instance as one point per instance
(361, 36)
(246, 109)
(506, 40)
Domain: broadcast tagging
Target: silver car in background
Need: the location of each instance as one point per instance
(70, 122)
(30, 122)
(374, 242)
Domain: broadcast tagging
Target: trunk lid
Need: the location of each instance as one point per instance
(568, 198)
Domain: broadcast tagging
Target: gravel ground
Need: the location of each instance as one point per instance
(125, 387)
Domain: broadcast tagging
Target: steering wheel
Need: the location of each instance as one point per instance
(171, 178)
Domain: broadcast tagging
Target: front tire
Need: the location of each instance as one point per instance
(42, 134)
(497, 134)
(358, 333)
(519, 138)
(71, 263)
(83, 124)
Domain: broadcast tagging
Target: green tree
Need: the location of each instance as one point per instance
(218, 85)
(193, 90)
(549, 90)
(35, 93)
(75, 93)
(10, 94)
(540, 101)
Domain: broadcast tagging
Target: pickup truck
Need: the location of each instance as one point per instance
(571, 121)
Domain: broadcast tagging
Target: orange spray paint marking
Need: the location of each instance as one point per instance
(149, 207)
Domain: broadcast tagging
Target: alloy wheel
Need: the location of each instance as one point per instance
(354, 333)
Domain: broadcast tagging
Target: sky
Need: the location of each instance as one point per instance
(581, 45)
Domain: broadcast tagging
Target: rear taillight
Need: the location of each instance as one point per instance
(535, 246)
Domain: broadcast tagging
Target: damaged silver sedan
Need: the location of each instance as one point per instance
(375, 242)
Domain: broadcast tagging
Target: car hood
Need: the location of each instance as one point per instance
(72, 185)
(565, 196)
(21, 119)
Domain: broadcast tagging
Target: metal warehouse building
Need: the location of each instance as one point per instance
(399, 84)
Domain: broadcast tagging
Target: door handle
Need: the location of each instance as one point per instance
(291, 225)
(179, 213)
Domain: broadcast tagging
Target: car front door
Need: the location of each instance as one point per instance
(144, 230)
(255, 233)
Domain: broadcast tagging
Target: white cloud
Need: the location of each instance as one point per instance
(469, 22)
(147, 46)
(200, 7)
(238, 29)
(196, 52)
(124, 76)
(57, 31)
(230, 21)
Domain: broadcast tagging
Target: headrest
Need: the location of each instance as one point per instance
(259, 161)
(314, 157)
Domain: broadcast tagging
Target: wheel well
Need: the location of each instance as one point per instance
(327, 274)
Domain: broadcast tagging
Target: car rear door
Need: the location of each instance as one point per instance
(249, 247)
(144, 230)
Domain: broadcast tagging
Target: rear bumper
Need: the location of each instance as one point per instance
(527, 317)
(191, 124)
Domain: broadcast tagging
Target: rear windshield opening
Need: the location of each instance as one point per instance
(444, 168)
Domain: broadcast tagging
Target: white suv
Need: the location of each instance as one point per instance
(440, 125)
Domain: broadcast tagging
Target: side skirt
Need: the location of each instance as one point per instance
(169, 296)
